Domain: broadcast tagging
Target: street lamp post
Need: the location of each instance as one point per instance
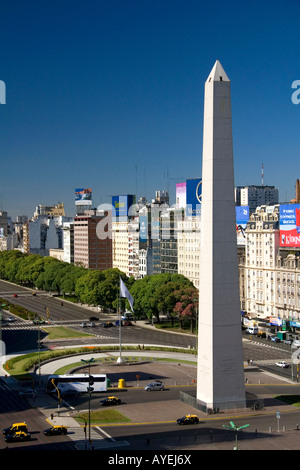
(235, 428)
(89, 389)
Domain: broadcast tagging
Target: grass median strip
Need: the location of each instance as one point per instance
(99, 417)
(289, 399)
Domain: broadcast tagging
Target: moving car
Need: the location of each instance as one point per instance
(110, 401)
(282, 364)
(107, 324)
(261, 334)
(56, 431)
(83, 325)
(275, 339)
(37, 321)
(90, 324)
(15, 428)
(157, 385)
(18, 436)
(188, 419)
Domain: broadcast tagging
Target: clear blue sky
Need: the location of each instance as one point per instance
(108, 94)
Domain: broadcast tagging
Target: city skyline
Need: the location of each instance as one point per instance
(109, 96)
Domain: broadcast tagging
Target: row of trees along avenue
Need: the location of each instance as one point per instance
(172, 295)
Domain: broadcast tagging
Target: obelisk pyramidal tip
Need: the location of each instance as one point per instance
(217, 73)
(220, 372)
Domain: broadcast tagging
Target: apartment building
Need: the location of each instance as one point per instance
(271, 281)
(188, 242)
(90, 249)
(256, 196)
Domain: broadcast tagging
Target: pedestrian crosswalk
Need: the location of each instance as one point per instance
(18, 325)
(94, 438)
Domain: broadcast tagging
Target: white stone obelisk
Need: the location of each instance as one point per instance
(220, 371)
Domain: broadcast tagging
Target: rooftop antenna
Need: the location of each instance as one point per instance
(262, 174)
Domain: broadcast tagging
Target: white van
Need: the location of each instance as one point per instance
(296, 343)
(127, 316)
(252, 330)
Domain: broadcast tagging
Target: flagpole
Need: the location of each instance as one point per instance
(120, 335)
(123, 293)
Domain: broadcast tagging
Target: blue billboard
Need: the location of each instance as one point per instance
(289, 225)
(121, 205)
(242, 216)
(193, 196)
(143, 219)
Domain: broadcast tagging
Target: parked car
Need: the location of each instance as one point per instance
(157, 385)
(56, 430)
(91, 324)
(127, 323)
(93, 318)
(10, 319)
(288, 341)
(188, 419)
(18, 436)
(110, 401)
(282, 364)
(83, 325)
(15, 295)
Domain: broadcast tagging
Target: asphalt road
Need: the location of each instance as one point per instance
(16, 409)
(262, 352)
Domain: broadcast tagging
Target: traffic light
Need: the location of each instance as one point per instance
(91, 383)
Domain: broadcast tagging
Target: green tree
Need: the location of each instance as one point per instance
(87, 287)
(155, 294)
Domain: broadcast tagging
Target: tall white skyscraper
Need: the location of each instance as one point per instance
(220, 374)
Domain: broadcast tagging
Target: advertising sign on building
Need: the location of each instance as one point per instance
(275, 321)
(193, 196)
(289, 225)
(143, 219)
(242, 217)
(83, 197)
(180, 195)
(122, 204)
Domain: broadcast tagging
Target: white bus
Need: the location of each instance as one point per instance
(76, 383)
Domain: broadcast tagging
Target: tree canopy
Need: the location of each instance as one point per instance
(159, 293)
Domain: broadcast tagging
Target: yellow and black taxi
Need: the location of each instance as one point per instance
(56, 431)
(109, 401)
(188, 419)
(15, 428)
(18, 436)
